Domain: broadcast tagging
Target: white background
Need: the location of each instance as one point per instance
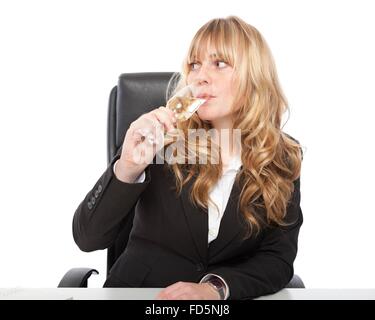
(60, 59)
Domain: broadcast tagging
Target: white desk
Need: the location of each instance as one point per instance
(150, 294)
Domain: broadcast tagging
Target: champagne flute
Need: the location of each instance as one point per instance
(183, 103)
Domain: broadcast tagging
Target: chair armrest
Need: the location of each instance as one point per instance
(76, 278)
(296, 282)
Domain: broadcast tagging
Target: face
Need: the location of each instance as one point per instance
(214, 80)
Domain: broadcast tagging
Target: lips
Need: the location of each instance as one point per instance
(205, 96)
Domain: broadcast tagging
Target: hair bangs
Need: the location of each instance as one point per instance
(218, 36)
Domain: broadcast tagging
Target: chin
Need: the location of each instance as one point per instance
(204, 117)
(205, 114)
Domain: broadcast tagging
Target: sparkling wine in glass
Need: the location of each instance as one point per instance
(184, 104)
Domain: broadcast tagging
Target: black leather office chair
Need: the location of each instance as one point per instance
(135, 94)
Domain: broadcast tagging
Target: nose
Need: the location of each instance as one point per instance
(202, 77)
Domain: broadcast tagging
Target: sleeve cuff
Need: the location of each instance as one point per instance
(141, 178)
(209, 276)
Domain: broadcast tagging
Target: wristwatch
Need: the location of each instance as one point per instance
(218, 285)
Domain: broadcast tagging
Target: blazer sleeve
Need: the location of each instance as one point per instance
(98, 218)
(271, 268)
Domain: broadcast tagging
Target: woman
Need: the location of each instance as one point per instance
(224, 229)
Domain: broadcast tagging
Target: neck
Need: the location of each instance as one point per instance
(228, 140)
(222, 123)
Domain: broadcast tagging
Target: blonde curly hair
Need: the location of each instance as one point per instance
(271, 160)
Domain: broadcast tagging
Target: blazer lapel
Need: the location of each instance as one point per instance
(230, 224)
(197, 220)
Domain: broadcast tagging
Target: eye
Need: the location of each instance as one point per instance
(221, 64)
(193, 66)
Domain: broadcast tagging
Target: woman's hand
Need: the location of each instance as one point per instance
(143, 139)
(188, 291)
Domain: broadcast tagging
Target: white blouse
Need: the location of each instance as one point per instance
(220, 196)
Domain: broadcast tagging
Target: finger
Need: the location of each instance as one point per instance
(177, 293)
(161, 296)
(177, 290)
(142, 155)
(173, 287)
(138, 130)
(166, 117)
(183, 293)
(171, 114)
(164, 294)
(138, 155)
(140, 134)
(150, 130)
(149, 121)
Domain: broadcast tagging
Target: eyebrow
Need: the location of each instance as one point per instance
(211, 56)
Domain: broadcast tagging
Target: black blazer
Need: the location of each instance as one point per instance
(169, 239)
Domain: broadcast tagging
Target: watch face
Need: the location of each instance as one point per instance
(217, 282)
(220, 287)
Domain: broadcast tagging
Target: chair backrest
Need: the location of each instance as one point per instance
(135, 94)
